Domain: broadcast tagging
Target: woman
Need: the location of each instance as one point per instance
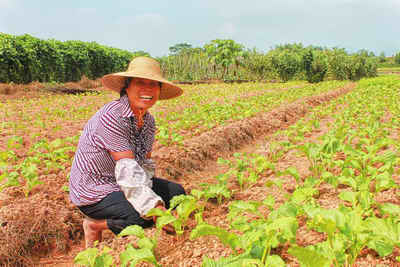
(111, 178)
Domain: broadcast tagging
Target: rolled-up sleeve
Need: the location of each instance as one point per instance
(136, 185)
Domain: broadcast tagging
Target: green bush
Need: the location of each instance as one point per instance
(24, 59)
(260, 65)
(315, 63)
(397, 58)
(286, 64)
(338, 64)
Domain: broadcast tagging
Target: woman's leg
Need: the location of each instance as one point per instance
(113, 212)
(167, 189)
(93, 230)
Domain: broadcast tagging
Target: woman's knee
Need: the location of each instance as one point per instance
(117, 225)
(177, 190)
(137, 220)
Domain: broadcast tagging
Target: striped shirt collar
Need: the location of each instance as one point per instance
(126, 111)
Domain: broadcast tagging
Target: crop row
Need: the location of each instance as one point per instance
(175, 125)
(63, 114)
(29, 149)
(358, 158)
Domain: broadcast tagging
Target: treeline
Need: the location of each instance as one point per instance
(227, 60)
(24, 59)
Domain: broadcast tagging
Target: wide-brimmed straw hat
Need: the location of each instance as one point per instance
(142, 67)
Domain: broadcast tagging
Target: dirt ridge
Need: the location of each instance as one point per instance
(175, 161)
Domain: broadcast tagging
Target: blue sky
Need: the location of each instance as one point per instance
(154, 26)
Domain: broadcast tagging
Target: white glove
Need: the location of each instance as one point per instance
(136, 185)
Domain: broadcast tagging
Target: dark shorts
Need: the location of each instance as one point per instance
(119, 212)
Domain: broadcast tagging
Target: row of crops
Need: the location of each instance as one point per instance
(357, 157)
(24, 59)
(26, 122)
(201, 108)
(175, 126)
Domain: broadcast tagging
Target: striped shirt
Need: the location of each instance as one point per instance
(112, 128)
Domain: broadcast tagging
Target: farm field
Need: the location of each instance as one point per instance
(392, 70)
(315, 183)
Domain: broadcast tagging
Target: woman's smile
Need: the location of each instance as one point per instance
(143, 93)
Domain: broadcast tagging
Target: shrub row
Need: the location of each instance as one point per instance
(286, 62)
(24, 59)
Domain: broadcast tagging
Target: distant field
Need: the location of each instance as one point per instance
(389, 69)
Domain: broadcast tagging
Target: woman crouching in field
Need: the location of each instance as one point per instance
(112, 176)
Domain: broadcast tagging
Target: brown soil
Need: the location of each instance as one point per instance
(178, 161)
(46, 230)
(180, 251)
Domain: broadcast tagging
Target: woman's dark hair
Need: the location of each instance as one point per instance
(127, 82)
(123, 90)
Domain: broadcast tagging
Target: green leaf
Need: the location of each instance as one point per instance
(384, 181)
(155, 212)
(383, 247)
(391, 209)
(227, 238)
(164, 220)
(269, 202)
(186, 208)
(198, 194)
(287, 209)
(135, 256)
(104, 260)
(349, 196)
(274, 261)
(308, 257)
(86, 257)
(302, 194)
(277, 182)
(177, 200)
(285, 227)
(146, 242)
(293, 172)
(135, 230)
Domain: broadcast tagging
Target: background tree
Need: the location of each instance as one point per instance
(382, 57)
(224, 53)
(178, 48)
(397, 58)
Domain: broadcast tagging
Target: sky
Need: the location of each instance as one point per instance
(154, 26)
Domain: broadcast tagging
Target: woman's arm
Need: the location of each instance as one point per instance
(129, 155)
(122, 155)
(126, 154)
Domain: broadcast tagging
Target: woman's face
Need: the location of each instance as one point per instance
(143, 93)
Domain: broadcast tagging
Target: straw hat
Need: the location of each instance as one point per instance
(142, 67)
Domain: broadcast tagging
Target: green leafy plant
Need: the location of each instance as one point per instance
(184, 205)
(144, 252)
(93, 257)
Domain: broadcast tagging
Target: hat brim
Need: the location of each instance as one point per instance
(116, 81)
